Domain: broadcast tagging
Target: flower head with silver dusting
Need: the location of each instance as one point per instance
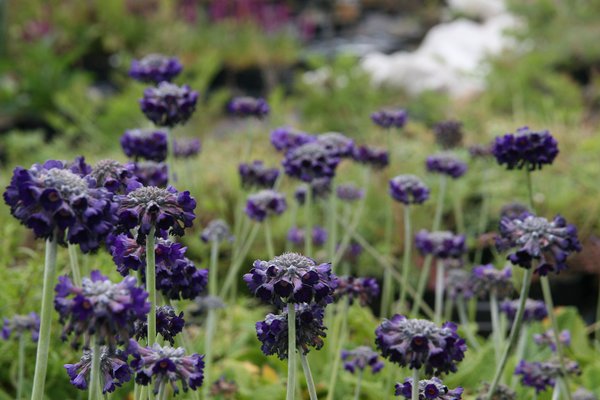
(535, 310)
(114, 370)
(547, 339)
(373, 157)
(448, 134)
(186, 147)
(363, 289)
(429, 389)
(502, 392)
(514, 210)
(487, 279)
(458, 284)
(265, 203)
(446, 164)
(349, 192)
(169, 104)
(155, 68)
(147, 144)
(114, 177)
(390, 117)
(441, 244)
(583, 394)
(286, 138)
(310, 161)
(247, 106)
(217, 230)
(525, 149)
(360, 359)
(336, 143)
(256, 175)
(150, 173)
(408, 189)
(320, 189)
(19, 325)
(168, 324)
(543, 375)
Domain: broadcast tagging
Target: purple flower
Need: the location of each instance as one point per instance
(310, 331)
(310, 161)
(18, 325)
(114, 177)
(155, 68)
(441, 244)
(186, 147)
(166, 365)
(169, 104)
(264, 203)
(55, 198)
(149, 206)
(101, 308)
(217, 230)
(114, 371)
(360, 358)
(371, 156)
(502, 392)
(458, 284)
(364, 289)
(583, 394)
(247, 106)
(150, 173)
(337, 144)
(429, 389)
(390, 118)
(352, 251)
(514, 210)
(291, 278)
(349, 192)
(448, 134)
(525, 149)
(446, 164)
(486, 279)
(542, 375)
(256, 175)
(418, 343)
(482, 151)
(408, 189)
(535, 310)
(286, 138)
(296, 236)
(547, 339)
(168, 324)
(320, 189)
(549, 243)
(148, 144)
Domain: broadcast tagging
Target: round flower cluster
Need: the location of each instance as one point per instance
(296, 236)
(310, 331)
(408, 189)
(535, 238)
(54, 198)
(349, 192)
(264, 203)
(217, 230)
(114, 177)
(291, 278)
(535, 310)
(390, 118)
(371, 156)
(150, 173)
(446, 164)
(286, 138)
(336, 144)
(114, 371)
(320, 189)
(18, 325)
(186, 147)
(429, 389)
(547, 339)
(486, 279)
(101, 308)
(543, 375)
(360, 358)
(169, 104)
(525, 149)
(458, 284)
(155, 68)
(418, 343)
(363, 289)
(514, 210)
(168, 324)
(441, 244)
(351, 252)
(310, 161)
(256, 175)
(148, 144)
(448, 134)
(248, 107)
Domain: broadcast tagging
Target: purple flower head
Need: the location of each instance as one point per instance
(18, 325)
(481, 151)
(168, 104)
(217, 230)
(168, 324)
(336, 144)
(458, 284)
(114, 177)
(320, 189)
(101, 308)
(265, 203)
(549, 243)
(186, 147)
(583, 394)
(349, 192)
(408, 189)
(247, 106)
(352, 252)
(256, 175)
(514, 210)
(486, 279)
(525, 149)
(310, 161)
(363, 289)
(149, 206)
(296, 236)
(448, 134)
(542, 375)
(429, 389)
(223, 388)
(446, 164)
(547, 339)
(55, 198)
(418, 343)
(502, 392)
(150, 173)
(114, 371)
(147, 144)
(441, 244)
(360, 358)
(286, 138)
(310, 331)
(203, 304)
(373, 157)
(155, 68)
(535, 310)
(291, 278)
(390, 117)
(166, 365)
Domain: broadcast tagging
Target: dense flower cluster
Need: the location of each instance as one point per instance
(150, 173)
(458, 284)
(310, 161)
(291, 278)
(390, 117)
(481, 151)
(186, 147)
(310, 331)
(408, 189)
(442, 244)
(547, 339)
(349, 192)
(336, 144)
(360, 358)
(429, 389)
(155, 68)
(265, 203)
(363, 289)
(101, 308)
(256, 175)
(514, 210)
(114, 177)
(148, 144)
(549, 243)
(371, 156)
(296, 236)
(525, 149)
(247, 106)
(351, 252)
(54, 198)
(217, 230)
(114, 370)
(18, 325)
(168, 324)
(169, 104)
(448, 134)
(446, 164)
(502, 392)
(486, 279)
(543, 375)
(418, 343)
(535, 310)
(286, 138)
(320, 188)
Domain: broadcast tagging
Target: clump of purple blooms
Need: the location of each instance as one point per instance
(247, 106)
(265, 203)
(217, 230)
(168, 104)
(488, 279)
(373, 157)
(442, 244)
(287, 138)
(19, 325)
(168, 324)
(448, 134)
(114, 177)
(363, 289)
(535, 310)
(525, 149)
(150, 173)
(155, 68)
(446, 164)
(297, 236)
(186, 147)
(547, 339)
(408, 189)
(114, 370)
(337, 144)
(390, 118)
(458, 284)
(543, 375)
(360, 359)
(349, 192)
(429, 389)
(147, 144)
(310, 161)
(256, 175)
(320, 188)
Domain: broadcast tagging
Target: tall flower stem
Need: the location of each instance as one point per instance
(597, 333)
(213, 273)
(339, 338)
(94, 383)
(358, 385)
(293, 217)
(415, 384)
(439, 291)
(514, 332)
(332, 227)
(406, 256)
(211, 318)
(74, 264)
(269, 239)
(308, 221)
(291, 380)
(483, 218)
(439, 208)
(495, 324)
(171, 155)
(151, 284)
(520, 352)
(21, 367)
(162, 391)
(310, 383)
(41, 360)
(464, 322)
(388, 283)
(232, 274)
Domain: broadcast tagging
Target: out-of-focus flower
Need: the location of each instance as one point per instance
(155, 68)
(480, 151)
(446, 164)
(18, 325)
(502, 392)
(349, 192)
(169, 104)
(168, 324)
(286, 138)
(441, 244)
(217, 230)
(583, 394)
(535, 310)
(513, 210)
(363, 289)
(458, 284)
(547, 339)
(226, 389)
(320, 189)
(448, 134)
(148, 144)
(543, 375)
(360, 359)
(408, 189)
(429, 389)
(486, 279)
(371, 156)
(390, 117)
(297, 236)
(150, 173)
(256, 175)
(336, 143)
(186, 147)
(247, 106)
(352, 251)
(525, 149)
(114, 177)
(265, 203)
(114, 370)
(310, 161)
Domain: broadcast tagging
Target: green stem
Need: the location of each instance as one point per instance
(415, 384)
(530, 190)
(597, 334)
(210, 320)
(482, 223)
(339, 339)
(458, 212)
(162, 391)
(439, 291)
(406, 256)
(291, 380)
(21, 368)
(171, 156)
(269, 239)
(332, 227)
(292, 223)
(74, 264)
(151, 285)
(521, 346)
(94, 383)
(388, 283)
(514, 332)
(213, 273)
(237, 263)
(495, 324)
(358, 385)
(464, 321)
(310, 383)
(41, 361)
(308, 220)
(556, 390)
(439, 209)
